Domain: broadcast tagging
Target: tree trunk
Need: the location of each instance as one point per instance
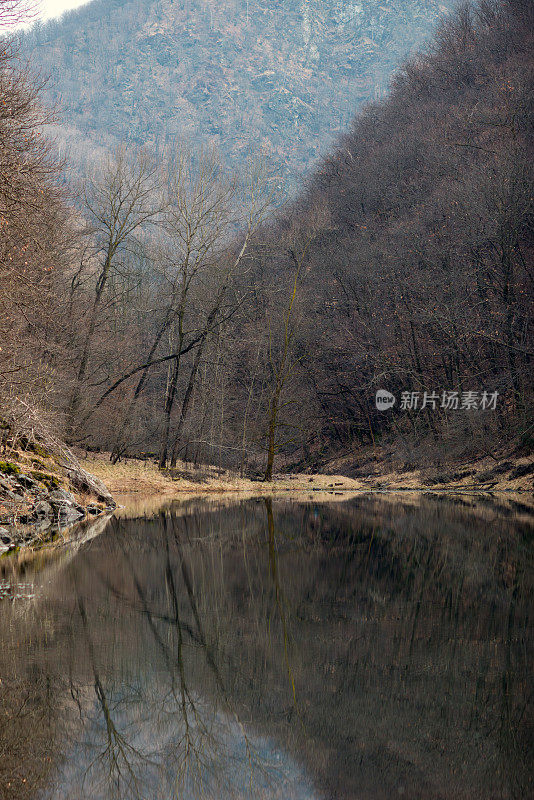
(82, 369)
(271, 435)
(187, 400)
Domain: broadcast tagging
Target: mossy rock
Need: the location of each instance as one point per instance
(50, 481)
(40, 476)
(39, 449)
(8, 468)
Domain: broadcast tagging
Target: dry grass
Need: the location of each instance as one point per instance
(481, 475)
(131, 475)
(134, 475)
(143, 478)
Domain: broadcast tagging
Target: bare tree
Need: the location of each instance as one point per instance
(204, 217)
(120, 200)
(34, 230)
(282, 360)
(17, 12)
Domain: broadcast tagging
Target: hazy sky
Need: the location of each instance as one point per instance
(46, 9)
(53, 8)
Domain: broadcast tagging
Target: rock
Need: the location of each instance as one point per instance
(26, 481)
(67, 513)
(62, 496)
(88, 483)
(42, 509)
(6, 492)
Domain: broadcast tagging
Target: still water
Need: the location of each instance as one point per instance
(370, 648)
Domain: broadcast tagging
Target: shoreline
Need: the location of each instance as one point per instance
(484, 476)
(140, 487)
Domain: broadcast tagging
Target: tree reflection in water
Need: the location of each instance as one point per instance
(268, 650)
(158, 737)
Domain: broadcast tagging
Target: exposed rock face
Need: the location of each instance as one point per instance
(230, 74)
(87, 483)
(35, 504)
(61, 496)
(42, 509)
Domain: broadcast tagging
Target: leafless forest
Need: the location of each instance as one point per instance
(168, 306)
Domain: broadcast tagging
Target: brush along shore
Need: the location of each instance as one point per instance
(144, 476)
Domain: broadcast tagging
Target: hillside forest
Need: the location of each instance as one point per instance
(167, 304)
(284, 76)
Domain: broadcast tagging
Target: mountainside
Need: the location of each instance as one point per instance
(403, 270)
(286, 76)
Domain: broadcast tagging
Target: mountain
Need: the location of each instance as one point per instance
(284, 76)
(404, 269)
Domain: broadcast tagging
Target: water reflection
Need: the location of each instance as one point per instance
(266, 650)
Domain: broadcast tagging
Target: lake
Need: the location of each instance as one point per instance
(374, 647)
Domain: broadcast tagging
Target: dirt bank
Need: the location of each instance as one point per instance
(484, 475)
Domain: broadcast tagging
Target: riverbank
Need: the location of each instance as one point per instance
(136, 475)
(483, 475)
(43, 491)
(46, 491)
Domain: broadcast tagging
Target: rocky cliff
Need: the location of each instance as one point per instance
(285, 76)
(43, 490)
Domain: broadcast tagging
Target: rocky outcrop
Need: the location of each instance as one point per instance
(43, 491)
(89, 484)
